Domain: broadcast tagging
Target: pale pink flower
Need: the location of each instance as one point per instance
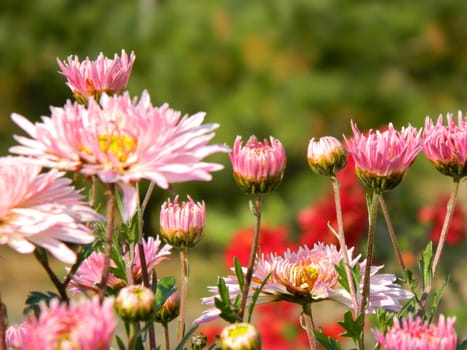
(93, 78)
(182, 224)
(382, 158)
(82, 325)
(326, 156)
(89, 273)
(14, 337)
(414, 334)
(258, 167)
(122, 141)
(309, 275)
(41, 209)
(446, 145)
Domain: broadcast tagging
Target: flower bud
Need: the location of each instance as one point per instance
(135, 303)
(327, 156)
(182, 225)
(258, 167)
(240, 336)
(169, 310)
(198, 341)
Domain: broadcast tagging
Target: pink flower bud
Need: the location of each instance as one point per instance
(169, 310)
(135, 303)
(327, 156)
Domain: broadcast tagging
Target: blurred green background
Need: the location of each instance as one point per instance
(292, 69)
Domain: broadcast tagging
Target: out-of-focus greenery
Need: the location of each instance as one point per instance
(292, 69)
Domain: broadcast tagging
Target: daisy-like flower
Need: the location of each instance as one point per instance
(326, 156)
(122, 141)
(89, 274)
(446, 145)
(382, 158)
(258, 167)
(41, 209)
(93, 78)
(81, 325)
(182, 225)
(414, 334)
(309, 275)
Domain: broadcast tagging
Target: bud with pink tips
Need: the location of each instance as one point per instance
(326, 156)
(258, 167)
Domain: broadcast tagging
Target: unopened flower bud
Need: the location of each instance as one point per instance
(198, 341)
(258, 167)
(135, 303)
(169, 310)
(240, 336)
(327, 156)
(182, 225)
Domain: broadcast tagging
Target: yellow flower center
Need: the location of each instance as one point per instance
(304, 276)
(119, 145)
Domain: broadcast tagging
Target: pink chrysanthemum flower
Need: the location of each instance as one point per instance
(89, 274)
(83, 325)
(326, 156)
(414, 334)
(309, 275)
(383, 157)
(41, 209)
(93, 78)
(258, 167)
(14, 337)
(122, 141)
(182, 224)
(446, 145)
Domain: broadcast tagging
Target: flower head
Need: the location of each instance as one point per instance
(309, 275)
(240, 336)
(89, 273)
(182, 224)
(169, 310)
(414, 334)
(326, 156)
(81, 325)
(14, 337)
(383, 158)
(446, 145)
(93, 78)
(135, 303)
(258, 167)
(122, 141)
(41, 209)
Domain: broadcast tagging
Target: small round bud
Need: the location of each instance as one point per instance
(327, 156)
(240, 336)
(135, 303)
(258, 167)
(169, 310)
(182, 225)
(198, 341)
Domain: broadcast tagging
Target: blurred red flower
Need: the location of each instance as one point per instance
(313, 221)
(434, 215)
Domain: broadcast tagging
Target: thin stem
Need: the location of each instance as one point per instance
(2, 324)
(147, 197)
(257, 207)
(133, 336)
(166, 336)
(110, 194)
(41, 256)
(183, 292)
(341, 238)
(447, 221)
(73, 268)
(392, 234)
(309, 326)
(372, 213)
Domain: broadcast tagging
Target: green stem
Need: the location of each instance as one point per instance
(166, 336)
(183, 292)
(372, 213)
(447, 221)
(2, 324)
(392, 234)
(343, 246)
(257, 207)
(132, 336)
(309, 326)
(110, 194)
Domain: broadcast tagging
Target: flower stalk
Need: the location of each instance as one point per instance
(309, 326)
(256, 209)
(183, 292)
(2, 324)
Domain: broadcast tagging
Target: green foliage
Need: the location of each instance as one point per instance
(229, 309)
(34, 300)
(329, 343)
(353, 327)
(165, 288)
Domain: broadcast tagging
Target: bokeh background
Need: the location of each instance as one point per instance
(292, 69)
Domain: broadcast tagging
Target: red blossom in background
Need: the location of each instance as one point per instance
(313, 221)
(435, 214)
(271, 240)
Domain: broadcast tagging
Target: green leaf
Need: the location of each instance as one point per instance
(186, 337)
(425, 265)
(255, 297)
(165, 288)
(120, 343)
(353, 328)
(342, 279)
(34, 299)
(239, 273)
(329, 343)
(437, 298)
(462, 346)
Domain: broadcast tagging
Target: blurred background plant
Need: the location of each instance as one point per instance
(291, 69)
